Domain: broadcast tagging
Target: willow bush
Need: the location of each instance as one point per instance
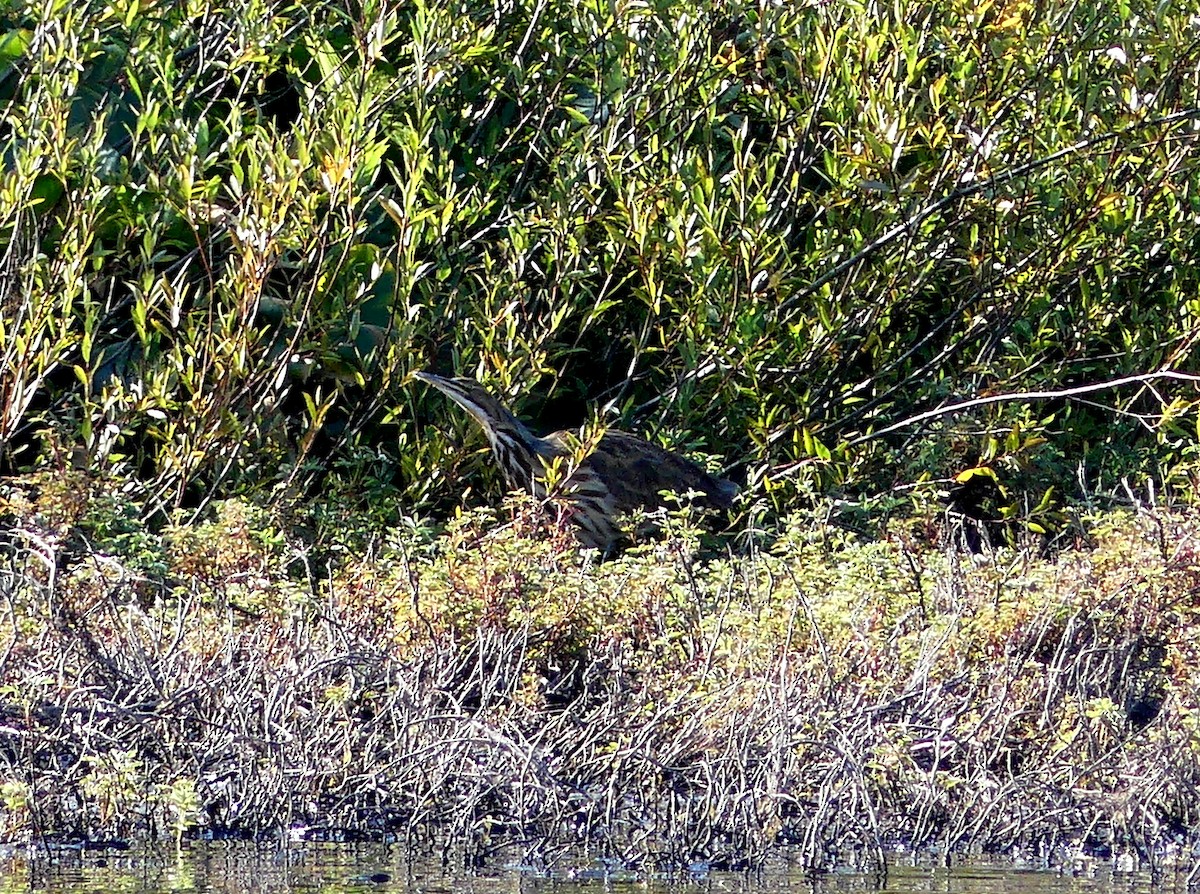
(770, 232)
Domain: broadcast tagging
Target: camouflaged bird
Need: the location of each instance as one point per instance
(617, 475)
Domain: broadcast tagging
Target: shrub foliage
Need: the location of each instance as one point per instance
(769, 232)
(849, 250)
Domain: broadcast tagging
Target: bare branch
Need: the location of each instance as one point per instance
(1020, 396)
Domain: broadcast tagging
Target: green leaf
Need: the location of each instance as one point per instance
(13, 46)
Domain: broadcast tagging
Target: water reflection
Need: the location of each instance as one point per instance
(339, 869)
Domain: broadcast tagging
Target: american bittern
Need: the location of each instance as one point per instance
(618, 475)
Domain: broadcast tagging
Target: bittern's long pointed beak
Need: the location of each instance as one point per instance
(430, 379)
(451, 389)
(444, 385)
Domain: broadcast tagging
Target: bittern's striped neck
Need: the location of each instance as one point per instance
(516, 448)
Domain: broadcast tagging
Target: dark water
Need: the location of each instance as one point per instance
(339, 869)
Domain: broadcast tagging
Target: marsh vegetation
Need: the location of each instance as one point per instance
(919, 277)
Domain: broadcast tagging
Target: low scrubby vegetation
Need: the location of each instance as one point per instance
(493, 685)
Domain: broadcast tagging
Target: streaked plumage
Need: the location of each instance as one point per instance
(619, 475)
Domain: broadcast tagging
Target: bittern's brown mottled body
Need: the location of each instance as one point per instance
(618, 475)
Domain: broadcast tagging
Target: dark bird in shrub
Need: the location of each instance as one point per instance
(600, 482)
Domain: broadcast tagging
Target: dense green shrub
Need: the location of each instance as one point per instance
(767, 232)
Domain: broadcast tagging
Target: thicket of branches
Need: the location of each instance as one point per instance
(852, 249)
(487, 690)
(765, 231)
